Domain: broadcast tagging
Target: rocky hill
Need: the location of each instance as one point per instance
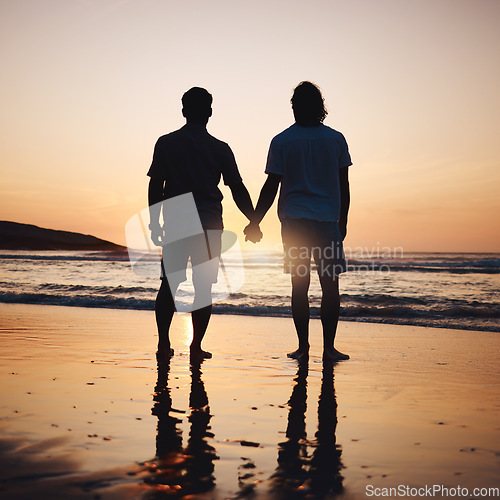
(16, 236)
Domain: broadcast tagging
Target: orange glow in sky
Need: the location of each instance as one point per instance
(88, 86)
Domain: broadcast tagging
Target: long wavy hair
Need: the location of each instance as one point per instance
(308, 104)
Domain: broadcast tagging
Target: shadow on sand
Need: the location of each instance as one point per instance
(179, 471)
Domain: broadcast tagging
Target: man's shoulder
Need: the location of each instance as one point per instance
(287, 134)
(218, 142)
(331, 132)
(170, 136)
(185, 133)
(184, 137)
(297, 132)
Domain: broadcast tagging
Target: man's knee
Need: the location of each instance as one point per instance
(202, 294)
(165, 293)
(329, 285)
(300, 284)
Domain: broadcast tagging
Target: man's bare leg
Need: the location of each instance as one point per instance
(164, 312)
(300, 314)
(330, 310)
(200, 318)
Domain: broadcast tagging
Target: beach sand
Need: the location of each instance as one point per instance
(86, 413)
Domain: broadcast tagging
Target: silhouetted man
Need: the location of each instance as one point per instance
(190, 160)
(311, 162)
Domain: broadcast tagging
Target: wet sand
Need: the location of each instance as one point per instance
(86, 412)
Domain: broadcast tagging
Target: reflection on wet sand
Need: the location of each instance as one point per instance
(179, 471)
(309, 468)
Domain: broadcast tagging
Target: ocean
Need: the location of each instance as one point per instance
(447, 290)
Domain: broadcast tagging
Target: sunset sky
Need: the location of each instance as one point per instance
(89, 85)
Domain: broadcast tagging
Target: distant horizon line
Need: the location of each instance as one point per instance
(267, 247)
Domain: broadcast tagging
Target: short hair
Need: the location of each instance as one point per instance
(308, 104)
(197, 102)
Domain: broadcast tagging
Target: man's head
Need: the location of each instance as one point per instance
(308, 105)
(197, 105)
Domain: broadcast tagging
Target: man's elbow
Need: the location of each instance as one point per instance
(344, 186)
(237, 189)
(272, 183)
(155, 191)
(345, 192)
(345, 196)
(238, 186)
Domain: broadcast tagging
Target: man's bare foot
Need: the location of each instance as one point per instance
(333, 355)
(198, 353)
(299, 354)
(164, 354)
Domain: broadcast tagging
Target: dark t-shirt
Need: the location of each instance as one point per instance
(190, 160)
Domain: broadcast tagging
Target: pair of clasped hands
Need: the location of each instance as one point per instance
(252, 232)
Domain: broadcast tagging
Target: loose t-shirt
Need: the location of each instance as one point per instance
(308, 159)
(191, 160)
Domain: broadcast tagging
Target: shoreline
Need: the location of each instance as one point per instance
(264, 312)
(86, 411)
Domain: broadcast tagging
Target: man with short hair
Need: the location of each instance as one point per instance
(190, 160)
(311, 163)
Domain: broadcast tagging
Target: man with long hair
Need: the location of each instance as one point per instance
(311, 163)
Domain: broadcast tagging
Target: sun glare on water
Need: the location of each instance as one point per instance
(187, 328)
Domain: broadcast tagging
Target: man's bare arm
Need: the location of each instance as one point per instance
(155, 197)
(244, 203)
(242, 199)
(345, 199)
(266, 197)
